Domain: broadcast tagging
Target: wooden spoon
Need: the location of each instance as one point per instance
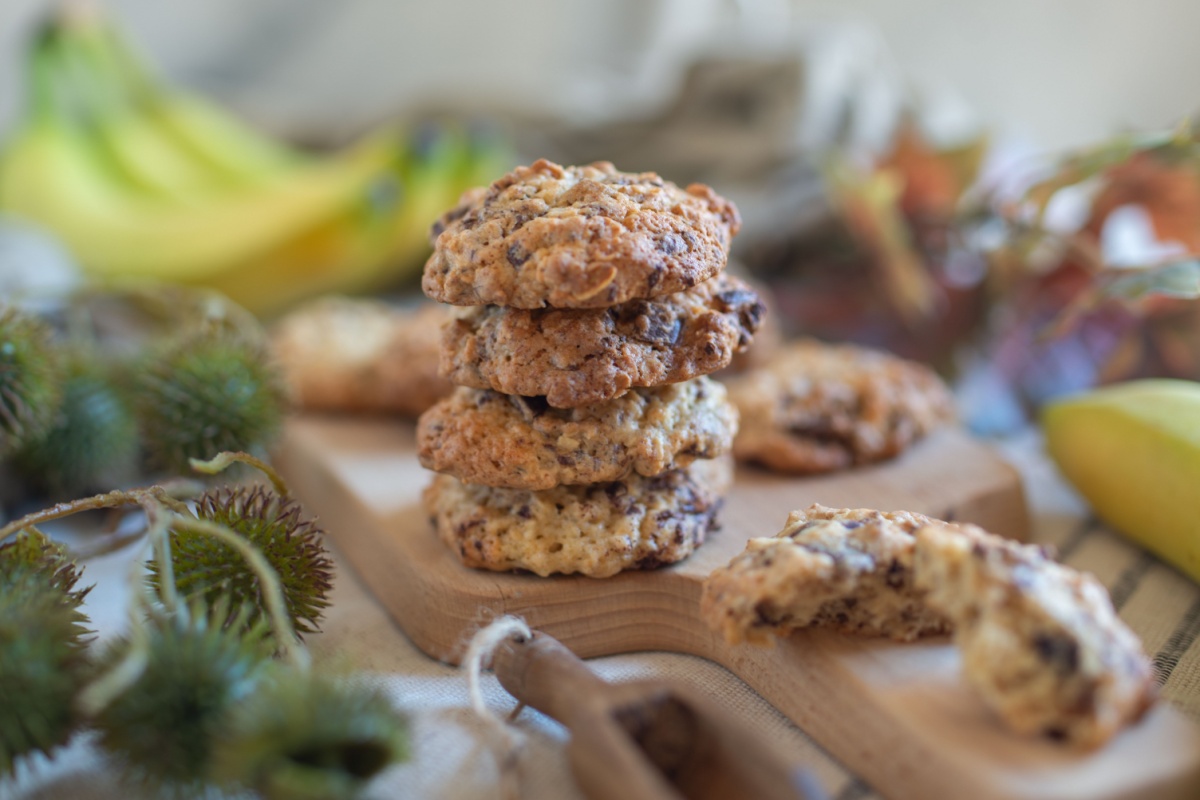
(647, 740)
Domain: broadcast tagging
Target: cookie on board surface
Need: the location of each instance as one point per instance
(342, 354)
(850, 569)
(481, 436)
(817, 407)
(577, 237)
(596, 530)
(579, 357)
(1040, 641)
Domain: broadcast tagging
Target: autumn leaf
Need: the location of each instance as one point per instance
(1174, 337)
(1169, 192)
(1081, 167)
(870, 206)
(1126, 357)
(966, 160)
(1180, 279)
(1179, 146)
(931, 184)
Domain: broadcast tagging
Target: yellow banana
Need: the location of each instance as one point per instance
(348, 252)
(1133, 450)
(374, 246)
(140, 182)
(50, 174)
(48, 177)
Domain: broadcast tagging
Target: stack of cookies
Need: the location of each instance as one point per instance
(583, 436)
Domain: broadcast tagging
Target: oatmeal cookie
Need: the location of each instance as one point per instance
(818, 407)
(1040, 642)
(847, 569)
(596, 530)
(481, 436)
(340, 354)
(578, 237)
(579, 357)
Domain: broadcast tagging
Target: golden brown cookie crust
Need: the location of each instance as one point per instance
(817, 407)
(362, 356)
(481, 436)
(596, 530)
(849, 569)
(578, 237)
(1040, 641)
(579, 357)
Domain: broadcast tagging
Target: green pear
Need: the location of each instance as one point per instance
(1133, 451)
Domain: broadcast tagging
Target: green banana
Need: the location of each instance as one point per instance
(146, 160)
(218, 141)
(232, 150)
(488, 156)
(168, 144)
(427, 171)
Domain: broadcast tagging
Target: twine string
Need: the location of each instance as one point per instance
(505, 740)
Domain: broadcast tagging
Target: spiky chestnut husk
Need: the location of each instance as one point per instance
(310, 737)
(92, 444)
(43, 657)
(293, 545)
(162, 729)
(30, 379)
(209, 391)
(42, 669)
(36, 553)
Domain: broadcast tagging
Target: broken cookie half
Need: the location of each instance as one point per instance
(848, 569)
(1040, 642)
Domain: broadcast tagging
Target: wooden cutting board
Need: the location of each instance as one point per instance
(897, 714)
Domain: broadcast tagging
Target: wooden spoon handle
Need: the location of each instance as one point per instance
(541, 672)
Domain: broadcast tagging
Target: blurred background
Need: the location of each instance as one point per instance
(1059, 73)
(965, 183)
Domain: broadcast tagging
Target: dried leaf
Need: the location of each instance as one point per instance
(1078, 168)
(1180, 279)
(1169, 191)
(870, 207)
(966, 160)
(1171, 147)
(1125, 358)
(1177, 344)
(931, 187)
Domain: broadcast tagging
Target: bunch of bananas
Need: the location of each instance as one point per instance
(142, 182)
